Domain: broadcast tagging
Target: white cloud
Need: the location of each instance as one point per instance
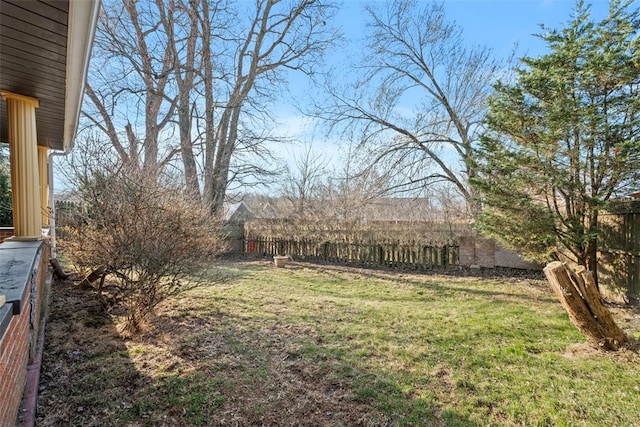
(297, 127)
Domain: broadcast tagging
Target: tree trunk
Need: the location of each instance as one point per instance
(580, 298)
(591, 250)
(186, 147)
(591, 255)
(58, 271)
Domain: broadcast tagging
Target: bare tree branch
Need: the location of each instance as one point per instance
(419, 87)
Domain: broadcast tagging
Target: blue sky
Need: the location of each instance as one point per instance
(499, 24)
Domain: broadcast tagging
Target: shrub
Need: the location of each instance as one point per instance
(149, 239)
(6, 211)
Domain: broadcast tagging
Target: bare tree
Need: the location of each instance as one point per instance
(200, 75)
(278, 36)
(181, 25)
(422, 96)
(131, 97)
(304, 181)
(351, 189)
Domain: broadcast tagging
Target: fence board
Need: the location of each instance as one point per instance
(619, 245)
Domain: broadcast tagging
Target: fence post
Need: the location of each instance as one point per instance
(445, 255)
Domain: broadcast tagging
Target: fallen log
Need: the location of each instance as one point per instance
(579, 296)
(96, 274)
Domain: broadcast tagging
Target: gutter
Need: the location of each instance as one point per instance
(52, 202)
(83, 14)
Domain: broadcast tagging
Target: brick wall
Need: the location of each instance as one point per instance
(5, 232)
(487, 254)
(14, 357)
(477, 251)
(18, 345)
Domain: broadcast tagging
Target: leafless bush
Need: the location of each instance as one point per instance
(423, 232)
(147, 238)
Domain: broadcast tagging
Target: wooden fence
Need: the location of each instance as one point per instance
(390, 254)
(619, 248)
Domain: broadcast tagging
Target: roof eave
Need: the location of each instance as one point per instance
(83, 20)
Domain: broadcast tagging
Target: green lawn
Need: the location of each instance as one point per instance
(319, 345)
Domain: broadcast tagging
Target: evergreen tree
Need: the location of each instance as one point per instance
(562, 138)
(6, 216)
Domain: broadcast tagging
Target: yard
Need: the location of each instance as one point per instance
(335, 346)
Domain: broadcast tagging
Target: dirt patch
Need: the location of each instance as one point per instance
(581, 351)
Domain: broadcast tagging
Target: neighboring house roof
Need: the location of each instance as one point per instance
(236, 212)
(45, 48)
(265, 207)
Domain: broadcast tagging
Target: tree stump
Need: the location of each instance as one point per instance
(580, 298)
